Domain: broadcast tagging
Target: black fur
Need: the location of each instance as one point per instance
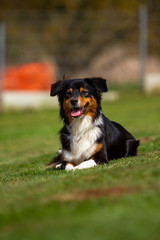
(117, 142)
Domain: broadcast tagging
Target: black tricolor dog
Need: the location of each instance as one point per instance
(88, 137)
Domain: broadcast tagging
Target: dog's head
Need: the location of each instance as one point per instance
(79, 97)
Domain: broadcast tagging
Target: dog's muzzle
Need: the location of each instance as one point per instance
(74, 101)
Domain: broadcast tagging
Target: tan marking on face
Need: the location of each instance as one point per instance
(92, 108)
(67, 109)
(92, 105)
(70, 90)
(83, 89)
(83, 101)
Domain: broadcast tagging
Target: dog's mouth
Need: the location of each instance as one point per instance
(78, 112)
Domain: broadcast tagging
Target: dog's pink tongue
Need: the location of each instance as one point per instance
(76, 113)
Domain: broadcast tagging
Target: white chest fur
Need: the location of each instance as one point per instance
(83, 136)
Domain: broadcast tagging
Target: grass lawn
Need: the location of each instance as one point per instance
(120, 200)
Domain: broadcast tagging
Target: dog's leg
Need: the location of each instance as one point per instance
(69, 166)
(56, 162)
(131, 147)
(101, 157)
(58, 165)
(86, 164)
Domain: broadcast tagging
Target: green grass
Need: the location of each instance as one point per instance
(120, 200)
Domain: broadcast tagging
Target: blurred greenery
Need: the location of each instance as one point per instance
(76, 4)
(117, 200)
(64, 29)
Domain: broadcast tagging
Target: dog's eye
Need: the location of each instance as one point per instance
(69, 93)
(84, 93)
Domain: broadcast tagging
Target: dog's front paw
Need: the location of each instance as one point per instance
(69, 166)
(86, 164)
(58, 165)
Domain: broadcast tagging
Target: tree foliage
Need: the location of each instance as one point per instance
(76, 4)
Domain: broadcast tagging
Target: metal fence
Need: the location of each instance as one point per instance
(85, 43)
(2, 62)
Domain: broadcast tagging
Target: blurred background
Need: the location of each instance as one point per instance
(40, 41)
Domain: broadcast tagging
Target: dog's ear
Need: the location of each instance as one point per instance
(56, 88)
(98, 83)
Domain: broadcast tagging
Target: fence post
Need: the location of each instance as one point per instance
(2, 63)
(143, 20)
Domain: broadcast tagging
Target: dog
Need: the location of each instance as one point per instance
(88, 137)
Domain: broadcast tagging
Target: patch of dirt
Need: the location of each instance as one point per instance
(94, 194)
(146, 139)
(89, 177)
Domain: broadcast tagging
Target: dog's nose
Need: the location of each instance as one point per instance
(74, 101)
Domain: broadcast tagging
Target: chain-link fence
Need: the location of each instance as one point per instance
(85, 43)
(103, 42)
(2, 62)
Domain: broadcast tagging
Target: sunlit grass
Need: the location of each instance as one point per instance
(119, 200)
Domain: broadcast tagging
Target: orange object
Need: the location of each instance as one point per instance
(29, 77)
